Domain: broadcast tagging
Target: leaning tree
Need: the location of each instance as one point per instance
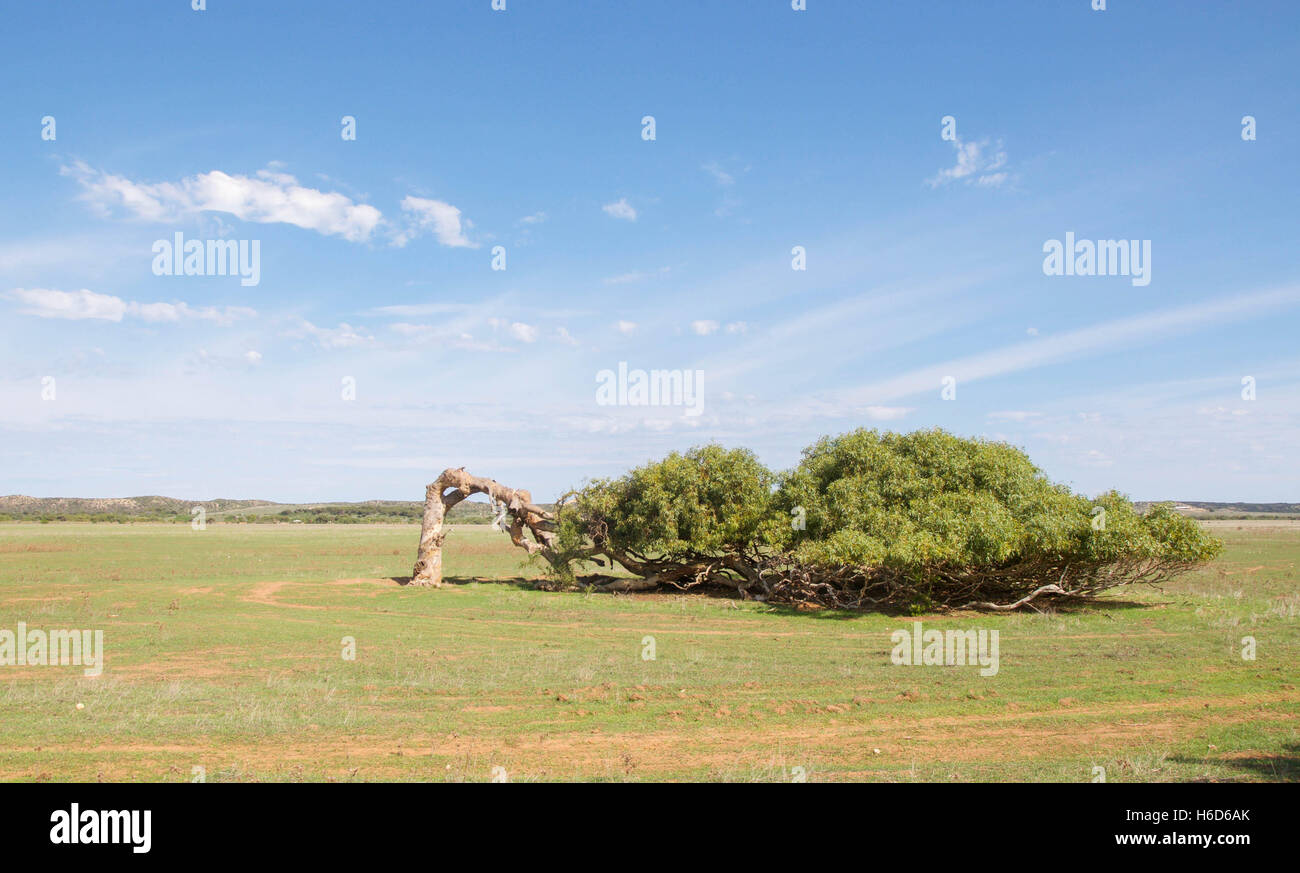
(866, 520)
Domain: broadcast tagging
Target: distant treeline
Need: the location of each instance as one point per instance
(95, 517)
(333, 514)
(373, 512)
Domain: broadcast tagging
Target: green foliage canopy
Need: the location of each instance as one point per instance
(870, 517)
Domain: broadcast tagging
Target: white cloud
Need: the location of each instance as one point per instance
(446, 336)
(737, 327)
(441, 218)
(620, 209)
(184, 312)
(535, 218)
(86, 304)
(268, 197)
(704, 327)
(523, 332)
(341, 337)
(974, 164)
(625, 327)
(47, 303)
(253, 356)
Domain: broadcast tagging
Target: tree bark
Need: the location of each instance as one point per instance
(453, 486)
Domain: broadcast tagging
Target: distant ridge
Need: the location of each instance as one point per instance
(1198, 507)
(19, 507)
(155, 508)
(22, 505)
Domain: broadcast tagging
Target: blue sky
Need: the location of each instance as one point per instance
(522, 129)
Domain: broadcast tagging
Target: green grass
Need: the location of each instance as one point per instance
(224, 652)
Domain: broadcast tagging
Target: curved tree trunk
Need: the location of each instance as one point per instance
(453, 486)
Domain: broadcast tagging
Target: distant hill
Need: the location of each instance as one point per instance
(152, 506)
(17, 507)
(1211, 509)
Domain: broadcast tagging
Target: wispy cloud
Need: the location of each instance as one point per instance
(89, 305)
(726, 180)
(436, 216)
(525, 333)
(976, 162)
(1132, 331)
(620, 209)
(446, 337)
(885, 413)
(342, 337)
(266, 197)
(721, 176)
(626, 278)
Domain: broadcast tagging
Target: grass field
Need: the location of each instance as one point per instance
(224, 651)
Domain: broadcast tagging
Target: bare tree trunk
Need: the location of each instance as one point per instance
(453, 486)
(428, 558)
